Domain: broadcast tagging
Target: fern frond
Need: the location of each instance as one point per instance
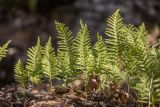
(112, 74)
(113, 32)
(135, 56)
(148, 90)
(65, 43)
(49, 62)
(127, 39)
(65, 39)
(4, 50)
(155, 54)
(34, 63)
(143, 88)
(137, 62)
(156, 90)
(63, 67)
(99, 52)
(140, 37)
(115, 74)
(90, 63)
(21, 75)
(82, 47)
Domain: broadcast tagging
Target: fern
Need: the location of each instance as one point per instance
(20, 74)
(49, 62)
(148, 90)
(99, 52)
(156, 90)
(128, 51)
(3, 50)
(140, 38)
(155, 54)
(113, 32)
(135, 55)
(63, 68)
(65, 52)
(142, 86)
(115, 46)
(82, 47)
(124, 55)
(112, 74)
(90, 62)
(65, 39)
(34, 63)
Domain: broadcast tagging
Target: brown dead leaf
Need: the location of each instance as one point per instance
(93, 83)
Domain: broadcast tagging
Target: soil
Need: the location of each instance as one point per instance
(60, 96)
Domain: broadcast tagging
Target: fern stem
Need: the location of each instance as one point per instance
(150, 89)
(153, 100)
(128, 79)
(50, 80)
(85, 82)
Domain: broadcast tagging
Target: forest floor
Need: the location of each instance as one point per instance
(41, 96)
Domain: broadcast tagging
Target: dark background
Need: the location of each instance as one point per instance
(23, 20)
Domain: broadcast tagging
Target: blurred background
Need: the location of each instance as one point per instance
(23, 20)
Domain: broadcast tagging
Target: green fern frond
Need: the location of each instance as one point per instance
(127, 39)
(63, 67)
(142, 86)
(155, 54)
(49, 62)
(137, 62)
(82, 47)
(113, 32)
(148, 90)
(65, 43)
(90, 63)
(112, 74)
(4, 50)
(21, 75)
(156, 90)
(65, 39)
(115, 74)
(99, 52)
(34, 63)
(135, 56)
(140, 38)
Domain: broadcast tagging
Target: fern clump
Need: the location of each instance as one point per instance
(124, 56)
